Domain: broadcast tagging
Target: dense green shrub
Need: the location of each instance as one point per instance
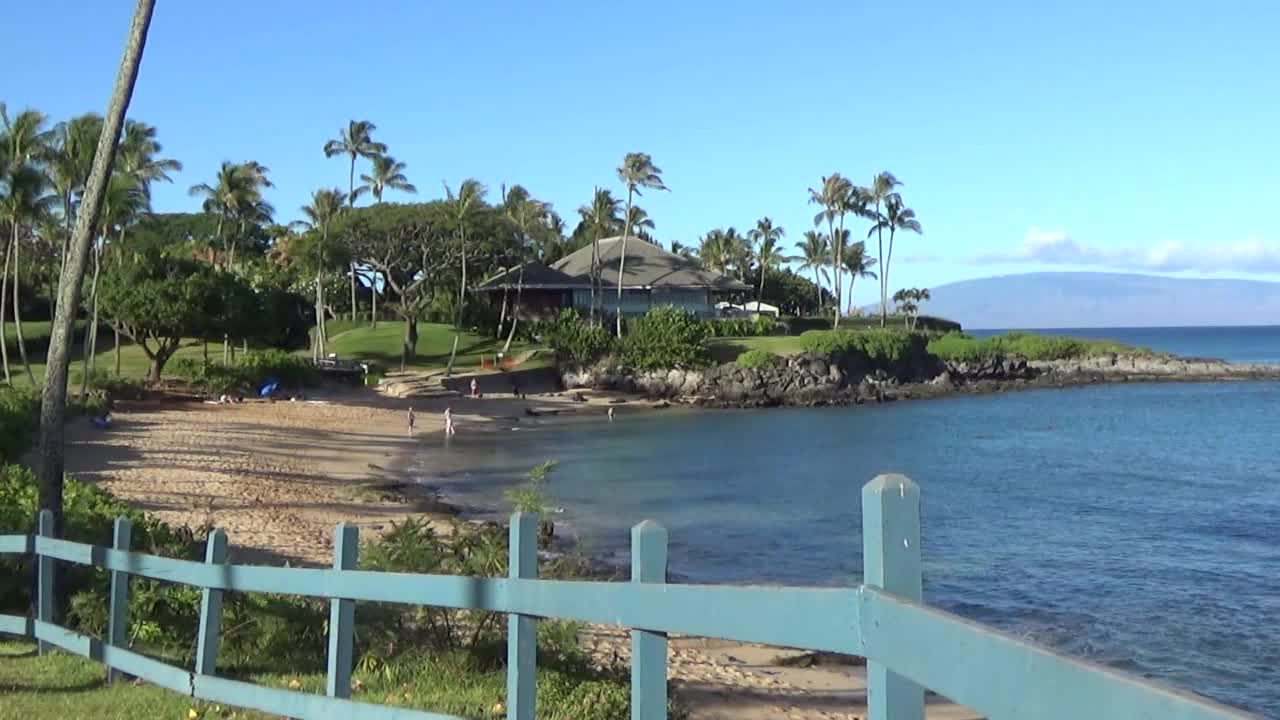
(572, 338)
(882, 349)
(666, 337)
(250, 370)
(958, 347)
(291, 370)
(753, 359)
(741, 327)
(19, 418)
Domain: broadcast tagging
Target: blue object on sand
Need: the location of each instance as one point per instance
(270, 387)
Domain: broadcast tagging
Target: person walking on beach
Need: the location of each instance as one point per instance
(610, 414)
(475, 388)
(412, 419)
(448, 421)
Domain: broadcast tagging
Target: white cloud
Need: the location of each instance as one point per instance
(1057, 247)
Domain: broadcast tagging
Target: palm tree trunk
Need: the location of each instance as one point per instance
(91, 326)
(116, 349)
(884, 276)
(622, 261)
(17, 309)
(4, 287)
(502, 316)
(373, 293)
(817, 282)
(462, 299)
(760, 293)
(835, 272)
(595, 272)
(515, 314)
(884, 270)
(353, 292)
(351, 202)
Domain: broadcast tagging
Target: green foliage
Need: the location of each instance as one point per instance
(291, 370)
(19, 418)
(754, 359)
(741, 327)
(666, 337)
(881, 349)
(958, 347)
(572, 338)
(249, 372)
(532, 496)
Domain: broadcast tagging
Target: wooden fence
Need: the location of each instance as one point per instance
(908, 645)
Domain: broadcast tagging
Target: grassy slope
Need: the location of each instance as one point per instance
(434, 342)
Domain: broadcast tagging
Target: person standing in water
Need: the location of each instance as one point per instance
(475, 388)
(412, 419)
(448, 421)
(610, 414)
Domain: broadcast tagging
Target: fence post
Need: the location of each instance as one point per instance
(118, 622)
(342, 615)
(44, 578)
(648, 649)
(211, 608)
(522, 632)
(891, 561)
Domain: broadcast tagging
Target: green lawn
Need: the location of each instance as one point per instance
(725, 350)
(434, 342)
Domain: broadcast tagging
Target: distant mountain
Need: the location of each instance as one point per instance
(1086, 299)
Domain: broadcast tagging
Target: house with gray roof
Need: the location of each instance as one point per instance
(651, 277)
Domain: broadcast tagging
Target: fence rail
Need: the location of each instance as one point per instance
(908, 645)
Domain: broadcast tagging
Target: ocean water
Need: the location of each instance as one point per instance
(1135, 525)
(1245, 344)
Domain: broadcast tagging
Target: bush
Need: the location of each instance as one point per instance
(882, 349)
(289, 369)
(958, 347)
(572, 338)
(19, 419)
(754, 359)
(250, 370)
(666, 337)
(741, 327)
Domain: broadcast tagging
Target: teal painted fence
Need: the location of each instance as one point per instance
(908, 645)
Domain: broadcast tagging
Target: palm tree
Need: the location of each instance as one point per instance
(326, 205)
(355, 141)
(470, 196)
(684, 251)
(138, 151)
(815, 253)
(596, 219)
(387, 174)
(641, 223)
(235, 196)
(124, 203)
(833, 195)
(908, 301)
(23, 201)
(767, 236)
(53, 403)
(896, 217)
(737, 250)
(69, 159)
(859, 265)
(637, 171)
(879, 194)
(526, 214)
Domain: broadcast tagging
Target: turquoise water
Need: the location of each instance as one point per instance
(1136, 525)
(1248, 344)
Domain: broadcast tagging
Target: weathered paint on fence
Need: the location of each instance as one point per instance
(908, 645)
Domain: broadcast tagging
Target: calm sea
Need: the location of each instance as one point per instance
(1135, 525)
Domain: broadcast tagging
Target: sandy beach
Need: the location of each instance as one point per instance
(278, 477)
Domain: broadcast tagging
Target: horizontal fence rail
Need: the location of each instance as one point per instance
(908, 645)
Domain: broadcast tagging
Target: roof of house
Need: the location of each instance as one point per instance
(647, 266)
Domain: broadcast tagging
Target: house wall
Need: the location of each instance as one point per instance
(639, 302)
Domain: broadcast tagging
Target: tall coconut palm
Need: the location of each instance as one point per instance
(641, 223)
(896, 217)
(684, 251)
(737, 248)
(325, 206)
(833, 196)
(527, 215)
(766, 235)
(139, 153)
(858, 264)
(235, 197)
(596, 219)
(882, 188)
(22, 201)
(355, 141)
(69, 160)
(53, 403)
(124, 203)
(387, 174)
(815, 254)
(637, 171)
(469, 198)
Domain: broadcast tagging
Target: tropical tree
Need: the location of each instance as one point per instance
(461, 206)
(69, 159)
(637, 171)
(767, 237)
(815, 254)
(858, 264)
(833, 195)
(684, 251)
(139, 151)
(527, 215)
(22, 202)
(355, 141)
(740, 253)
(882, 192)
(641, 223)
(387, 174)
(896, 217)
(908, 301)
(53, 403)
(597, 219)
(236, 197)
(325, 206)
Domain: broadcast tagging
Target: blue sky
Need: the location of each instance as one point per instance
(1082, 135)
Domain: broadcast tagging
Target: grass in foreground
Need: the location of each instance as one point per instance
(60, 686)
(434, 343)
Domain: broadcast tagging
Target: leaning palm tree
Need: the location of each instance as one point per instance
(527, 214)
(858, 264)
(637, 171)
(769, 255)
(895, 217)
(387, 174)
(461, 207)
(833, 196)
(53, 403)
(326, 205)
(597, 219)
(880, 193)
(355, 141)
(815, 254)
